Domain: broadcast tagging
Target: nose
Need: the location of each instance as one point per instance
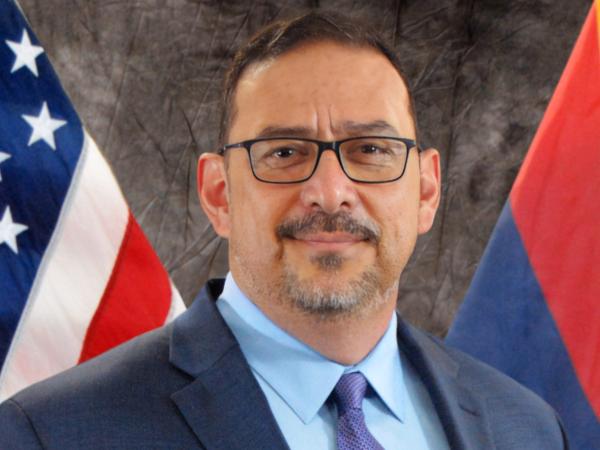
(329, 189)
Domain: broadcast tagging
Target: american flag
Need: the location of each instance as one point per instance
(77, 275)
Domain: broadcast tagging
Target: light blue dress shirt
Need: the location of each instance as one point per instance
(297, 382)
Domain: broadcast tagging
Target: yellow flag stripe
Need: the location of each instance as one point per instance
(597, 5)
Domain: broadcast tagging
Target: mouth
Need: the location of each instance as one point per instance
(329, 242)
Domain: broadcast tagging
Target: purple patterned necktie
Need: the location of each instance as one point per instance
(352, 430)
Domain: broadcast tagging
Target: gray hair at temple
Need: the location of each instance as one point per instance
(285, 35)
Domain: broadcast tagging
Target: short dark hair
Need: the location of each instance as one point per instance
(285, 35)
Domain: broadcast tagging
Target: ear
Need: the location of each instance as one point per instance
(212, 190)
(430, 188)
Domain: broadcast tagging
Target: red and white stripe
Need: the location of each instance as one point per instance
(99, 284)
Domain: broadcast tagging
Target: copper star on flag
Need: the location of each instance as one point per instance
(25, 53)
(43, 126)
(9, 230)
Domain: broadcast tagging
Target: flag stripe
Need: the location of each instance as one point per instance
(177, 305)
(150, 305)
(506, 322)
(556, 208)
(598, 20)
(70, 284)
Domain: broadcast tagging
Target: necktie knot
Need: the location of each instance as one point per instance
(352, 433)
(350, 391)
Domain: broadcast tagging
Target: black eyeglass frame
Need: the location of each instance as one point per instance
(323, 146)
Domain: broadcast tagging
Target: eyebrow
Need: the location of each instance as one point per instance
(348, 127)
(377, 126)
(275, 131)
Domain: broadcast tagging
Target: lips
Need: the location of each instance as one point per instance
(329, 238)
(329, 242)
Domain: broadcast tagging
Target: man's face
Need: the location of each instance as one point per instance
(327, 245)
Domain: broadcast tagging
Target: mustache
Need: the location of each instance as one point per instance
(322, 222)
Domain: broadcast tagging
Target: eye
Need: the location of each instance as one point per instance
(370, 149)
(283, 152)
(373, 152)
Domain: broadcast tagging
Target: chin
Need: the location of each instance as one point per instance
(330, 292)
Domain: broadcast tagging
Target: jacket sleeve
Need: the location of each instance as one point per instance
(16, 430)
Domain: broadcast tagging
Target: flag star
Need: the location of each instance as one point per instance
(3, 157)
(9, 230)
(25, 54)
(44, 127)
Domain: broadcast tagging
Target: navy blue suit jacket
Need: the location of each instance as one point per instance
(187, 385)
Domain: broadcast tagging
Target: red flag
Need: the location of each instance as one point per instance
(533, 309)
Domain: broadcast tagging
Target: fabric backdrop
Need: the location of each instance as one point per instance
(145, 76)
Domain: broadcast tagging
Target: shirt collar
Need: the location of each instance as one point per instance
(382, 368)
(302, 377)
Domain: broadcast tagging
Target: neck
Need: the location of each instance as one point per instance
(346, 338)
(346, 341)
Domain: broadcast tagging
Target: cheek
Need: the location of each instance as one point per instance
(394, 234)
(248, 219)
(398, 221)
(402, 207)
(255, 214)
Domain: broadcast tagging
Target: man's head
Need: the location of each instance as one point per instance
(327, 245)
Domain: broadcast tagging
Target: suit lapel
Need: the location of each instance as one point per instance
(223, 405)
(461, 411)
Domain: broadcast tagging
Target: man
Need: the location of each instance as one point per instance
(321, 191)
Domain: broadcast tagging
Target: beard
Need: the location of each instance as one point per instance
(329, 294)
(360, 294)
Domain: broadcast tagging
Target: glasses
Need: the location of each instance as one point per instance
(366, 159)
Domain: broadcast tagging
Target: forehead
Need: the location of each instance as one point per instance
(320, 87)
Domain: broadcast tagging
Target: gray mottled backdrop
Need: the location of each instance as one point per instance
(145, 77)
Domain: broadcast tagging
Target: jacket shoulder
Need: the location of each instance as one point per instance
(514, 413)
(123, 390)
